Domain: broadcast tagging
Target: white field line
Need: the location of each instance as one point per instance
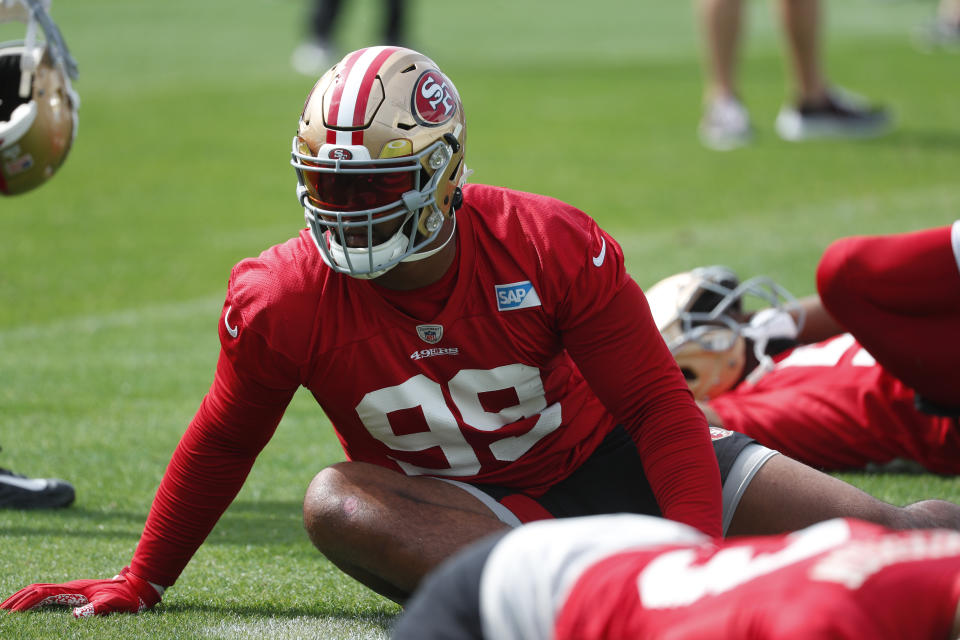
(307, 628)
(86, 324)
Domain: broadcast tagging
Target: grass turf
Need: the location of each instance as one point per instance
(112, 276)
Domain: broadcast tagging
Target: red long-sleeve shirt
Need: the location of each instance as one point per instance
(509, 370)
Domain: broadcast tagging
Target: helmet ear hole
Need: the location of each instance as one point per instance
(456, 168)
(9, 84)
(723, 281)
(452, 141)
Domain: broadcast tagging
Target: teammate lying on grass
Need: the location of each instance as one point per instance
(482, 353)
(645, 578)
(833, 402)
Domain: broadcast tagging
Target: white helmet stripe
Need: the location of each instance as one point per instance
(349, 104)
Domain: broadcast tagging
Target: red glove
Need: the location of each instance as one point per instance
(125, 593)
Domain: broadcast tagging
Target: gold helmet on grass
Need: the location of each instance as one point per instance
(38, 106)
(705, 321)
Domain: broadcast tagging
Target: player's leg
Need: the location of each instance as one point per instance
(388, 530)
(318, 49)
(323, 19)
(725, 123)
(394, 22)
(801, 26)
(785, 495)
(900, 296)
(721, 23)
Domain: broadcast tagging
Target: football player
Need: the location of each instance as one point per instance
(639, 577)
(38, 120)
(482, 354)
(886, 390)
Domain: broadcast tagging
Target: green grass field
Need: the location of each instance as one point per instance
(112, 275)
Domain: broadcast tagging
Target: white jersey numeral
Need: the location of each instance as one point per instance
(443, 431)
(827, 355)
(673, 579)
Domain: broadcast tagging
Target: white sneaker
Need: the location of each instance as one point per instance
(939, 35)
(725, 125)
(312, 58)
(843, 115)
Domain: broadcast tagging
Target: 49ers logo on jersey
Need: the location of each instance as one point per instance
(435, 99)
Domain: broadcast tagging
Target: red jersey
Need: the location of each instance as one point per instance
(540, 343)
(831, 405)
(838, 580)
(637, 577)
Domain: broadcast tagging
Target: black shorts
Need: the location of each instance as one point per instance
(612, 480)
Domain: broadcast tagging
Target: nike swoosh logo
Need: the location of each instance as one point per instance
(598, 260)
(233, 331)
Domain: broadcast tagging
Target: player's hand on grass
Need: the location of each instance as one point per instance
(126, 593)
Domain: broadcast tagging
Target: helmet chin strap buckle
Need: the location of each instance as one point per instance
(414, 200)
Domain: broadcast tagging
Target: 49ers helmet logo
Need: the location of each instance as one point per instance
(435, 99)
(340, 154)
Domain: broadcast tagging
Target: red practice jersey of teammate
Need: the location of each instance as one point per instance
(837, 580)
(488, 386)
(830, 405)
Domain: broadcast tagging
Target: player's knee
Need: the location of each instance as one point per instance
(837, 274)
(333, 504)
(928, 514)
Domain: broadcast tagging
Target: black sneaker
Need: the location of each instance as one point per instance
(843, 115)
(21, 492)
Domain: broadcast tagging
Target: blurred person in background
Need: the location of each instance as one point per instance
(38, 122)
(943, 32)
(319, 50)
(643, 578)
(862, 375)
(818, 109)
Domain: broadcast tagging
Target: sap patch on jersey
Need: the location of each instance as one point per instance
(518, 295)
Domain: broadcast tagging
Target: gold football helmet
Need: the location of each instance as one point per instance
(703, 318)
(38, 106)
(380, 142)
